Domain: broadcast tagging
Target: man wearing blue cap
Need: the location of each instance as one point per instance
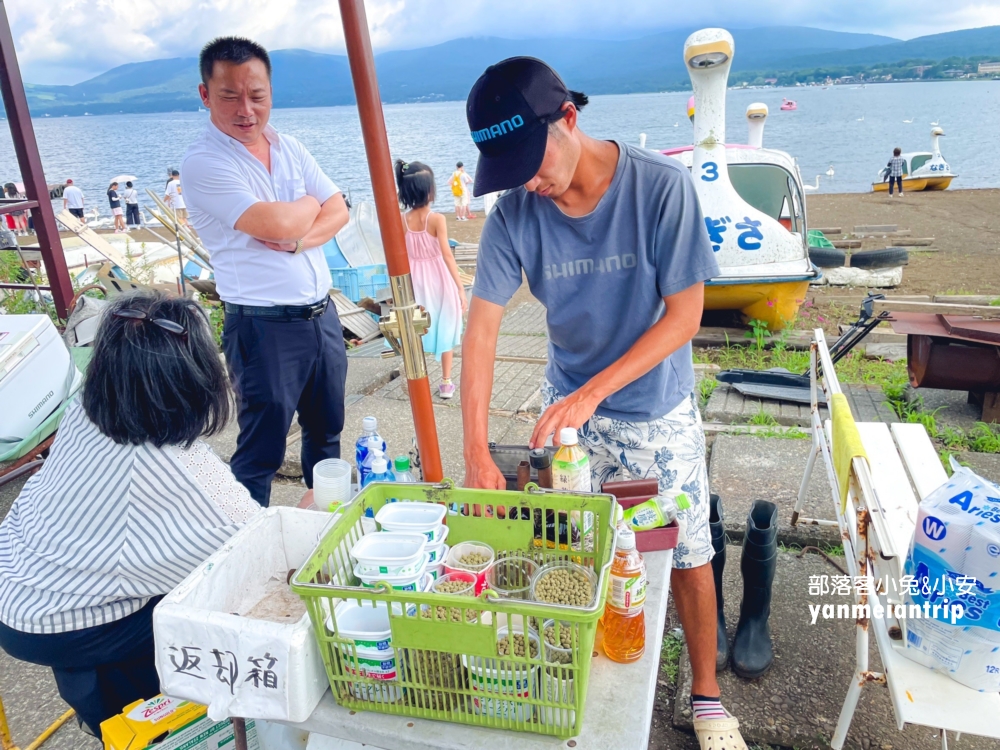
(612, 242)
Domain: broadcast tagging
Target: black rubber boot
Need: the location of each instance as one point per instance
(752, 651)
(718, 565)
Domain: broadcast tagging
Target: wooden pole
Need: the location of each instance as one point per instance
(362, 61)
(30, 163)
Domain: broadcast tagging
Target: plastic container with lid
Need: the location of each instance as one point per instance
(498, 683)
(389, 553)
(439, 550)
(409, 582)
(420, 518)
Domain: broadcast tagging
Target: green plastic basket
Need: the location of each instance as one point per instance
(443, 661)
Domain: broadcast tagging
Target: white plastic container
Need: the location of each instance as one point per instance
(389, 553)
(367, 626)
(420, 518)
(409, 582)
(492, 678)
(439, 550)
(197, 617)
(36, 374)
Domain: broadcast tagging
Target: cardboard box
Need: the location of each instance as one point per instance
(170, 724)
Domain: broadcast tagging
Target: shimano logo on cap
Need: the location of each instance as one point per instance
(495, 131)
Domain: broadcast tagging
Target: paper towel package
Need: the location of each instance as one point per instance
(955, 561)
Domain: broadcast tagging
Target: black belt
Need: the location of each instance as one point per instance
(288, 312)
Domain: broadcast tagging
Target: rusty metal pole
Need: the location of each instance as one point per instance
(30, 162)
(362, 61)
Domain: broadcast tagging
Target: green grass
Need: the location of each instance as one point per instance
(981, 438)
(705, 388)
(670, 656)
(853, 369)
(790, 433)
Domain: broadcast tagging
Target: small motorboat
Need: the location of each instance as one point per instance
(787, 105)
(922, 170)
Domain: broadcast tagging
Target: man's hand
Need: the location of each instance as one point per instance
(481, 473)
(573, 411)
(281, 247)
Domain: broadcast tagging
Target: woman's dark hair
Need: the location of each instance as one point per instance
(11, 189)
(416, 183)
(150, 385)
(112, 185)
(234, 49)
(897, 151)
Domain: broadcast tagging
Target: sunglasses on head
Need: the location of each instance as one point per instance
(167, 325)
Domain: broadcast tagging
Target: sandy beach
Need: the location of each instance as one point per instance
(965, 225)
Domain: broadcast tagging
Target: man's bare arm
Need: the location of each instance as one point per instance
(678, 326)
(479, 346)
(279, 221)
(331, 219)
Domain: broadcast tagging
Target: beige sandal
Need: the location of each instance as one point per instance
(719, 734)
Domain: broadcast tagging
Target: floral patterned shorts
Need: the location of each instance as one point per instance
(671, 448)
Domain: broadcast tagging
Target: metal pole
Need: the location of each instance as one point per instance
(359, 54)
(30, 163)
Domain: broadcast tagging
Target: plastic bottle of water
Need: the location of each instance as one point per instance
(380, 470)
(369, 425)
(401, 471)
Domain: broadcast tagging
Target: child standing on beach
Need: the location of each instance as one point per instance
(437, 286)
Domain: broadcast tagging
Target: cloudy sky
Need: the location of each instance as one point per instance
(67, 41)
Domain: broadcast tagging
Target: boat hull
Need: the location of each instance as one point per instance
(939, 183)
(776, 302)
(912, 184)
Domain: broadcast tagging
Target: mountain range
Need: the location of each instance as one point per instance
(447, 71)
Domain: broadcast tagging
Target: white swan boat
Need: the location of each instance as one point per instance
(751, 196)
(922, 170)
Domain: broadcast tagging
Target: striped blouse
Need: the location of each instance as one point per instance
(104, 527)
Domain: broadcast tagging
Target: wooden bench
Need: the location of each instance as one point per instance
(877, 528)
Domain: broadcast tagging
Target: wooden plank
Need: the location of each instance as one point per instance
(872, 228)
(892, 487)
(846, 244)
(967, 299)
(883, 235)
(982, 311)
(919, 456)
(825, 230)
(92, 238)
(913, 242)
(355, 319)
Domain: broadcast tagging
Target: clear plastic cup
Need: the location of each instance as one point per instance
(510, 576)
(331, 482)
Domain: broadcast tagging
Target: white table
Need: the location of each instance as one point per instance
(617, 716)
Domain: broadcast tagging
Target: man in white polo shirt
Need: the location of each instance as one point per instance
(263, 208)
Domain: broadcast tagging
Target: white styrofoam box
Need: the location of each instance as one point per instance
(36, 373)
(209, 651)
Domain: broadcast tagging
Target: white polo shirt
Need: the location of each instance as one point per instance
(73, 196)
(221, 181)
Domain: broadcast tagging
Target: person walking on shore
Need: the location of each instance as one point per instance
(116, 207)
(436, 283)
(73, 200)
(895, 167)
(174, 199)
(460, 190)
(264, 208)
(613, 244)
(131, 198)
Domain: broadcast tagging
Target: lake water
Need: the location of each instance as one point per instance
(825, 130)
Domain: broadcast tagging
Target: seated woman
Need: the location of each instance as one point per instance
(128, 503)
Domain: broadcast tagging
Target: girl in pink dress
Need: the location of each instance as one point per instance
(437, 286)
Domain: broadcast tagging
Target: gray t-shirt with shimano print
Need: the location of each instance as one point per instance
(602, 277)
